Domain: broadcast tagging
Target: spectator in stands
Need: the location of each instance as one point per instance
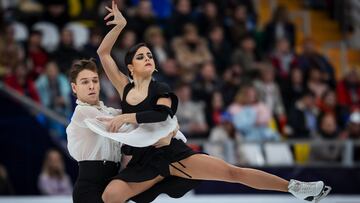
(53, 179)
(127, 39)
(250, 116)
(191, 50)
(224, 138)
(143, 18)
(353, 131)
(21, 83)
(5, 184)
(108, 93)
(232, 78)
(215, 109)
(329, 104)
(27, 11)
(269, 93)
(280, 27)
(204, 88)
(245, 55)
(155, 39)
(283, 59)
(206, 83)
(348, 90)
(182, 15)
(66, 53)
(208, 17)
(36, 54)
(162, 9)
(89, 50)
(169, 72)
(10, 51)
(312, 58)
(239, 25)
(354, 125)
(316, 83)
(190, 114)
(220, 48)
(294, 88)
(54, 91)
(328, 130)
(85, 12)
(302, 118)
(56, 12)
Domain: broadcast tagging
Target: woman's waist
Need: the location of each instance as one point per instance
(145, 154)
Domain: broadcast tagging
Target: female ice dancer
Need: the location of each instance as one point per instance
(98, 157)
(147, 101)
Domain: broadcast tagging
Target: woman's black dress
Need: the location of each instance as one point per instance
(150, 162)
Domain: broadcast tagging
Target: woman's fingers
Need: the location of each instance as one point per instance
(112, 127)
(111, 23)
(109, 9)
(116, 7)
(113, 4)
(108, 16)
(103, 119)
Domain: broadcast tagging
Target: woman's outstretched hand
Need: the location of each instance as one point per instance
(166, 140)
(113, 124)
(118, 20)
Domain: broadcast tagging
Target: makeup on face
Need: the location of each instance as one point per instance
(143, 60)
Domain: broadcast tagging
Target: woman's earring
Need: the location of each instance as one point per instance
(156, 70)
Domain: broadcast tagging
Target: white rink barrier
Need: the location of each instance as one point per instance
(198, 199)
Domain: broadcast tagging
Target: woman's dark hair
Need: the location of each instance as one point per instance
(131, 53)
(80, 65)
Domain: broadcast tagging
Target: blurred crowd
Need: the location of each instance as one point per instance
(235, 82)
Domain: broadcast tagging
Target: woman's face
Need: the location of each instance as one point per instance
(315, 75)
(210, 10)
(143, 63)
(268, 75)
(87, 87)
(55, 161)
(52, 70)
(35, 39)
(283, 46)
(247, 96)
(67, 37)
(240, 13)
(328, 124)
(208, 72)
(217, 35)
(296, 76)
(128, 40)
(250, 95)
(330, 99)
(217, 101)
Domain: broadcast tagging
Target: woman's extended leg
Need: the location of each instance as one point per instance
(204, 167)
(119, 191)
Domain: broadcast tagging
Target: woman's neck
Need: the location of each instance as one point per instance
(140, 83)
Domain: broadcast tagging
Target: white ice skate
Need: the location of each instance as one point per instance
(309, 191)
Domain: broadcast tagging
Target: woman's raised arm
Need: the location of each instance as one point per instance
(117, 78)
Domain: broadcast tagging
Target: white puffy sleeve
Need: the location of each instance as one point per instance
(83, 112)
